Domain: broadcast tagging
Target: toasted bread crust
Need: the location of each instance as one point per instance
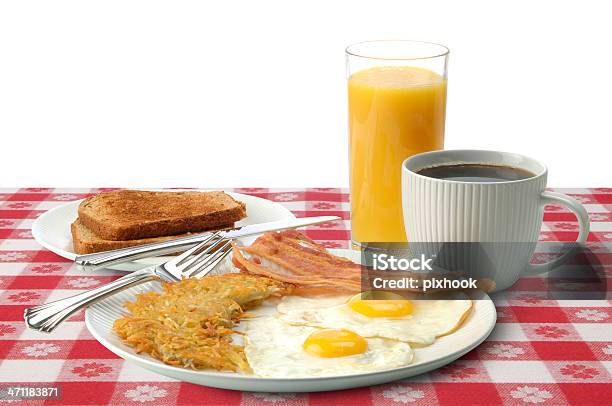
(133, 214)
(84, 241)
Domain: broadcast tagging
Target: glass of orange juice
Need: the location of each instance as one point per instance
(397, 105)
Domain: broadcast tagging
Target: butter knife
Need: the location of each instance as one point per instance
(104, 259)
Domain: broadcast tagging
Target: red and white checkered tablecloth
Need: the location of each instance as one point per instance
(541, 351)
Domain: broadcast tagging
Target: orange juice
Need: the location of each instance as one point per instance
(394, 112)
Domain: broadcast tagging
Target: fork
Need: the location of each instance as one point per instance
(197, 261)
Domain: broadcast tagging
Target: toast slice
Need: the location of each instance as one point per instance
(84, 241)
(135, 214)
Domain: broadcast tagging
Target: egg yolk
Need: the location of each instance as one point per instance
(332, 343)
(381, 304)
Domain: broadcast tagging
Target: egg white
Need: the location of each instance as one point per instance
(274, 349)
(429, 319)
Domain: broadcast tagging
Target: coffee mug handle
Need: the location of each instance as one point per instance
(583, 221)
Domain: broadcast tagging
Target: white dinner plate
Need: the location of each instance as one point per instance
(52, 229)
(477, 326)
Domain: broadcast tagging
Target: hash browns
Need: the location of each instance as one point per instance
(190, 323)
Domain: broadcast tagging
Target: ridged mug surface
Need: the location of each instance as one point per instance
(509, 213)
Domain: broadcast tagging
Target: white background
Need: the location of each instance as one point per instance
(252, 93)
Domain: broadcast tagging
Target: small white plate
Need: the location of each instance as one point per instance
(478, 325)
(52, 229)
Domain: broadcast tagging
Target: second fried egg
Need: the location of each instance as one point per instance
(418, 321)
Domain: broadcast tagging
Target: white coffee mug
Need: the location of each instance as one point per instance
(507, 212)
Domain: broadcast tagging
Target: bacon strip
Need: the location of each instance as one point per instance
(290, 256)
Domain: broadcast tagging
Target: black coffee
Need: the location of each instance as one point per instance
(476, 173)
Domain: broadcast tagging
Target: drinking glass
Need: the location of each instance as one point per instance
(397, 106)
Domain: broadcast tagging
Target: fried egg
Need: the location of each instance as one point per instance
(391, 316)
(277, 349)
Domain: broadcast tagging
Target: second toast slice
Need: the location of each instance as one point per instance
(84, 241)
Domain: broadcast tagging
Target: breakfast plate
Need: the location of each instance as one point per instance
(52, 228)
(476, 327)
